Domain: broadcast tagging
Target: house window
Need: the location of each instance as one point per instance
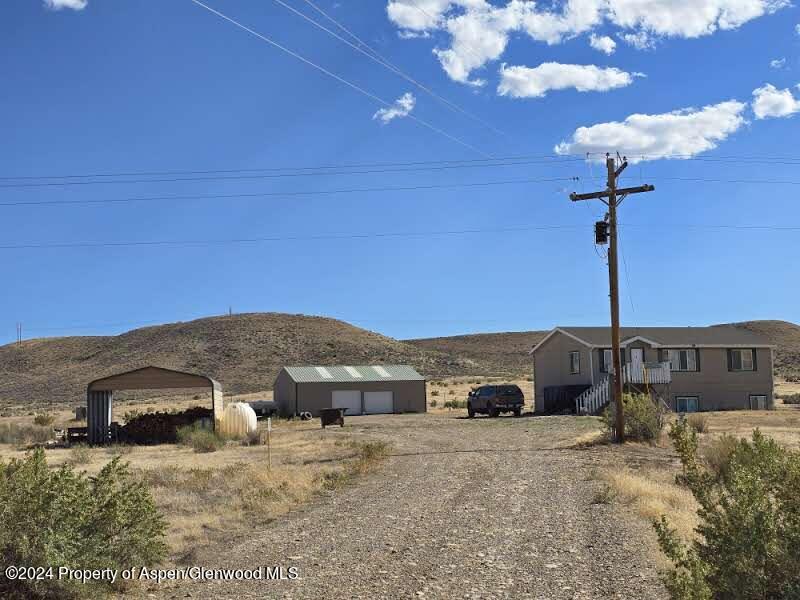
(574, 362)
(606, 364)
(686, 404)
(681, 359)
(758, 402)
(741, 359)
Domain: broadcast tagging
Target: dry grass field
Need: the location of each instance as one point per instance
(646, 483)
(208, 497)
(448, 389)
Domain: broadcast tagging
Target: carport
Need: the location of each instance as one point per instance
(100, 394)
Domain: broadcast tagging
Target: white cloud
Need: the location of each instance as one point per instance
(59, 4)
(769, 101)
(797, 29)
(527, 82)
(777, 63)
(402, 107)
(602, 43)
(640, 40)
(479, 30)
(688, 18)
(680, 133)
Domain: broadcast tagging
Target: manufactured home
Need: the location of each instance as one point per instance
(689, 368)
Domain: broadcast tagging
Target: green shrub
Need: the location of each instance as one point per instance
(80, 454)
(791, 399)
(200, 438)
(61, 518)
(18, 434)
(434, 392)
(434, 403)
(717, 455)
(43, 420)
(644, 419)
(698, 422)
(749, 532)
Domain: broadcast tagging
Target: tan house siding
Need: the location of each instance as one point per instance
(717, 388)
(551, 366)
(713, 384)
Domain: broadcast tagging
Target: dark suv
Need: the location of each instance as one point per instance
(495, 399)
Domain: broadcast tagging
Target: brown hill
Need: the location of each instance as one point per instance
(244, 352)
(502, 353)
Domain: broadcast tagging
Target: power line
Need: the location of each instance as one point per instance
(381, 60)
(442, 167)
(468, 47)
(435, 186)
(530, 158)
(64, 245)
(361, 236)
(627, 276)
(338, 78)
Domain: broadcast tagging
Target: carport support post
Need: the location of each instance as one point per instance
(613, 281)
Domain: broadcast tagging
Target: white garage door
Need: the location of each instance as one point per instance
(378, 402)
(349, 399)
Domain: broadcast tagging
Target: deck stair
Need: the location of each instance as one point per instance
(593, 400)
(641, 378)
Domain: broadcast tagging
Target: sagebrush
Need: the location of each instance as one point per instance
(60, 517)
(200, 438)
(644, 419)
(748, 539)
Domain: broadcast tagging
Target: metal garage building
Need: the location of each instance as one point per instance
(361, 390)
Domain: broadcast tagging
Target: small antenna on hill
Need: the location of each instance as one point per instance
(230, 311)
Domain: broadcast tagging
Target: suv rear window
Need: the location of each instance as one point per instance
(508, 390)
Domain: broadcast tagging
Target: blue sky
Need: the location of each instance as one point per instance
(132, 86)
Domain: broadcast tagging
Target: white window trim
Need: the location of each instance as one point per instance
(764, 396)
(687, 397)
(577, 354)
(679, 350)
(741, 352)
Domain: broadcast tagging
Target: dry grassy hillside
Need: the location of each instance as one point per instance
(502, 353)
(244, 352)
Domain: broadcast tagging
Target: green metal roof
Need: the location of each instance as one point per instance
(348, 374)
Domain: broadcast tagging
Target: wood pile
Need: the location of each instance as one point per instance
(161, 427)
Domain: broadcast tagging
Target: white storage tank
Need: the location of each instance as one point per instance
(238, 420)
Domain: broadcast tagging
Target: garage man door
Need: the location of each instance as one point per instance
(378, 402)
(349, 399)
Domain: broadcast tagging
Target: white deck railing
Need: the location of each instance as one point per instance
(592, 400)
(596, 397)
(648, 373)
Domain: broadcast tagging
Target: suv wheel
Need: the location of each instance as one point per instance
(470, 410)
(518, 411)
(493, 412)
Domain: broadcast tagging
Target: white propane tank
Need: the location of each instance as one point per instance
(238, 420)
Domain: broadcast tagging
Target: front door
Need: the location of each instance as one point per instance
(637, 358)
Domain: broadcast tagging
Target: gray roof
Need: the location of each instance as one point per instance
(352, 374)
(717, 335)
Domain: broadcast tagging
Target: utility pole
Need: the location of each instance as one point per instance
(615, 197)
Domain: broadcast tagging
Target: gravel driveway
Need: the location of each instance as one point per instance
(482, 508)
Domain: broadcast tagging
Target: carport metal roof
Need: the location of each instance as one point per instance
(347, 374)
(153, 378)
